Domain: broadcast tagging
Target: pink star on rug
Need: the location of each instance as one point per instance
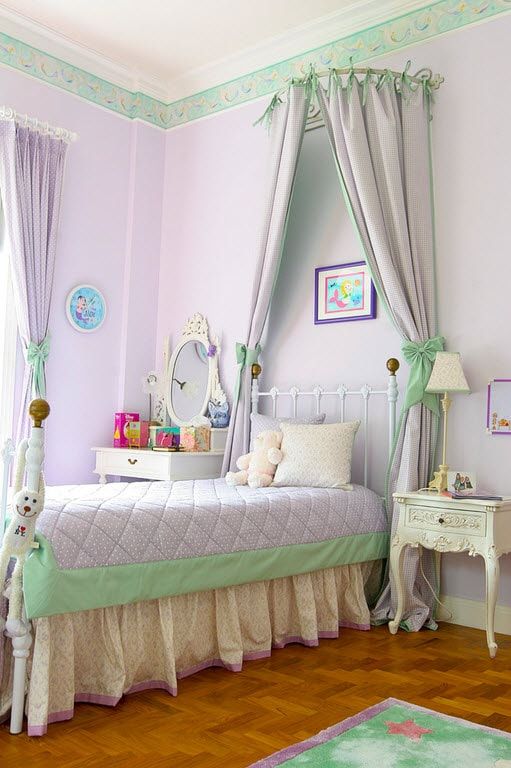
(408, 728)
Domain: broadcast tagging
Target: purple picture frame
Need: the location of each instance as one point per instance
(490, 413)
(320, 317)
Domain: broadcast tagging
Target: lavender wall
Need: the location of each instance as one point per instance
(214, 186)
(214, 179)
(110, 237)
(165, 226)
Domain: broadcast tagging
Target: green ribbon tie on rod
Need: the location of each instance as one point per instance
(37, 355)
(244, 356)
(421, 356)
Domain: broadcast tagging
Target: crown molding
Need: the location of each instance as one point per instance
(357, 17)
(47, 40)
(113, 86)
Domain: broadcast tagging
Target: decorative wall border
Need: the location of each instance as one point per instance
(409, 29)
(59, 73)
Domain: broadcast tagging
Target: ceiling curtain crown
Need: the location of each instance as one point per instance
(404, 83)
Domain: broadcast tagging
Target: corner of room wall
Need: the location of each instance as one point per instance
(142, 264)
(90, 376)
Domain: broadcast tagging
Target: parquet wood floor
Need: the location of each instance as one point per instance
(225, 720)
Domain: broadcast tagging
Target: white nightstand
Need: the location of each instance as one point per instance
(147, 464)
(452, 525)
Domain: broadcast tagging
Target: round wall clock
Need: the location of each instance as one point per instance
(85, 308)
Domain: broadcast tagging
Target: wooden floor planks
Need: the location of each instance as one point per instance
(225, 720)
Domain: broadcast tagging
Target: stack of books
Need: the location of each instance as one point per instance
(481, 495)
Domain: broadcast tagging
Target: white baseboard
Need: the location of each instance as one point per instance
(472, 613)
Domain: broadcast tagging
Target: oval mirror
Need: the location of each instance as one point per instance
(189, 387)
(193, 373)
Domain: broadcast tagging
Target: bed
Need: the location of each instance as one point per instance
(136, 585)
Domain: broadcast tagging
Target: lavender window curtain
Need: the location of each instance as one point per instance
(31, 175)
(380, 139)
(287, 127)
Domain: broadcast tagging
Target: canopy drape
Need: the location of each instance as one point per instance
(287, 120)
(379, 132)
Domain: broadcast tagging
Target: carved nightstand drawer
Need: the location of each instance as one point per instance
(435, 519)
(481, 527)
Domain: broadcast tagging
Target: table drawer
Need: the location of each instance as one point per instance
(145, 464)
(437, 519)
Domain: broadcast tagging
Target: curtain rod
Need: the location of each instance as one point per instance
(7, 113)
(435, 81)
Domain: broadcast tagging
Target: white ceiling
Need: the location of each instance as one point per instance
(175, 47)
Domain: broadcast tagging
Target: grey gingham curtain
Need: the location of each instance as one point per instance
(287, 126)
(31, 175)
(379, 136)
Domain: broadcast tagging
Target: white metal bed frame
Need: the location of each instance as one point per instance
(39, 410)
(318, 394)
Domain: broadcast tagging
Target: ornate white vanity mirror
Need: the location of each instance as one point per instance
(193, 373)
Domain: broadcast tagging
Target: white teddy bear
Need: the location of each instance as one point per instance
(17, 542)
(257, 468)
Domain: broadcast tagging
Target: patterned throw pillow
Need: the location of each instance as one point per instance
(259, 422)
(318, 456)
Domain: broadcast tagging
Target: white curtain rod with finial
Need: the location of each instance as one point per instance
(7, 113)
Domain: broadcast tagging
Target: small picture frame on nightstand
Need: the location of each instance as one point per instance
(461, 482)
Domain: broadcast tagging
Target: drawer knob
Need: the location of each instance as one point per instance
(440, 519)
(132, 461)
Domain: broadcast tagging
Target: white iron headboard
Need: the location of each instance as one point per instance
(341, 394)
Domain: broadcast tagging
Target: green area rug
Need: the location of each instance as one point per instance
(395, 734)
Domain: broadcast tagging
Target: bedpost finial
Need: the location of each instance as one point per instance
(256, 370)
(392, 365)
(38, 410)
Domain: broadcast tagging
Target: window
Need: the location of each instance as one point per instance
(8, 337)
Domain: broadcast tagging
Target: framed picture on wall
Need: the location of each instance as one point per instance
(344, 292)
(498, 407)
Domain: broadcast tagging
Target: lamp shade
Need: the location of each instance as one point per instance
(447, 374)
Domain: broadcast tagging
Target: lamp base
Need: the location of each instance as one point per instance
(439, 482)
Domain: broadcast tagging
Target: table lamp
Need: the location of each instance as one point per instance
(447, 376)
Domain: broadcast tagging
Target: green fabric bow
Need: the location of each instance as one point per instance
(244, 356)
(421, 356)
(37, 355)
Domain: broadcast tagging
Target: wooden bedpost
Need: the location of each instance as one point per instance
(392, 393)
(256, 372)
(39, 411)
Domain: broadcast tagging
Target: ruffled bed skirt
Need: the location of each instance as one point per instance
(98, 656)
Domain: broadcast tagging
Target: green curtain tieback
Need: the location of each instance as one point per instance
(421, 356)
(37, 355)
(244, 356)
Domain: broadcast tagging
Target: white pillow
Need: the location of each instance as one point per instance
(318, 456)
(259, 422)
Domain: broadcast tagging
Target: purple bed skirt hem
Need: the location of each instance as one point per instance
(112, 701)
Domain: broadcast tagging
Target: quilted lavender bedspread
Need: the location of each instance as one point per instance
(143, 522)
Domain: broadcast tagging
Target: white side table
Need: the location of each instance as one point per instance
(452, 525)
(147, 464)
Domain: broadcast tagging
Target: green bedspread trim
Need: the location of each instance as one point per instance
(50, 590)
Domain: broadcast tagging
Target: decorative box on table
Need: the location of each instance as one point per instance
(138, 434)
(167, 437)
(196, 438)
(121, 428)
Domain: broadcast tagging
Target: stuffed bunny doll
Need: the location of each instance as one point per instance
(18, 541)
(257, 468)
